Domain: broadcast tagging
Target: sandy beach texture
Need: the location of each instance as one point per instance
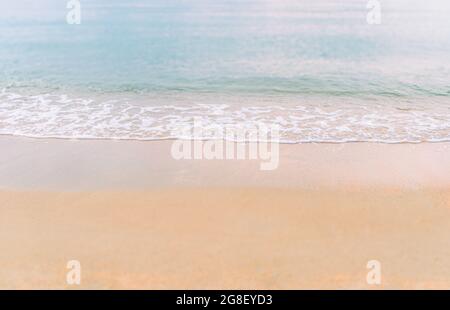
(136, 218)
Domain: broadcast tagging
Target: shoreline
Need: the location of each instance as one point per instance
(91, 165)
(38, 138)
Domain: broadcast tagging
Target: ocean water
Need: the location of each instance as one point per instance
(140, 69)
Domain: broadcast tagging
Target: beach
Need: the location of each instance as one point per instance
(224, 144)
(135, 218)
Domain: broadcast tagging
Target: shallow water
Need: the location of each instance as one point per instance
(141, 69)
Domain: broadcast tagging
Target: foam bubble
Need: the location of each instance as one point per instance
(160, 117)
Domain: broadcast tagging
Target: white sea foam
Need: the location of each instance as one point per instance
(161, 117)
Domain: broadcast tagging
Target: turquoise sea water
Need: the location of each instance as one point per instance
(138, 69)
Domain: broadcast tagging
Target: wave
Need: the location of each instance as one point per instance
(157, 117)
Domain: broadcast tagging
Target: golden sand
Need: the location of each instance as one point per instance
(225, 239)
